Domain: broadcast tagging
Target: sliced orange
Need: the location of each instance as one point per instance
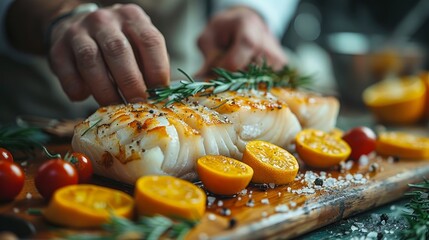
(169, 196)
(336, 132)
(320, 149)
(270, 163)
(396, 101)
(86, 205)
(402, 145)
(223, 175)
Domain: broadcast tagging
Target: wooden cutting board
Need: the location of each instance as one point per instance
(262, 211)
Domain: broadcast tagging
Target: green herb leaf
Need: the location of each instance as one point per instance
(23, 139)
(255, 77)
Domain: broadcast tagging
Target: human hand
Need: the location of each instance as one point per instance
(236, 37)
(111, 49)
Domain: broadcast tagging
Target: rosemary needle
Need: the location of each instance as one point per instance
(255, 77)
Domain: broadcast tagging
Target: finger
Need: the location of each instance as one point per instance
(122, 65)
(211, 52)
(62, 64)
(240, 54)
(273, 53)
(93, 70)
(151, 50)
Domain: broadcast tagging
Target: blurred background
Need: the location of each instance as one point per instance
(348, 45)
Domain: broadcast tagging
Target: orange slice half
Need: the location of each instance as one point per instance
(270, 163)
(402, 145)
(169, 196)
(86, 205)
(319, 149)
(223, 175)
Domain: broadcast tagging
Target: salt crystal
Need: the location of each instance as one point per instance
(243, 192)
(281, 208)
(265, 201)
(289, 189)
(28, 195)
(279, 194)
(293, 204)
(372, 235)
(323, 174)
(349, 177)
(239, 198)
(25, 163)
(210, 200)
(272, 185)
(220, 203)
(358, 176)
(212, 217)
(363, 160)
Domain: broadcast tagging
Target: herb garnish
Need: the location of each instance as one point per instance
(91, 126)
(416, 212)
(255, 77)
(23, 139)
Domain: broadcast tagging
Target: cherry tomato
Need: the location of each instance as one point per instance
(83, 166)
(11, 180)
(54, 174)
(361, 140)
(5, 155)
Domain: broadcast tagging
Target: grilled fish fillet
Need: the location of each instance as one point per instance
(311, 109)
(126, 142)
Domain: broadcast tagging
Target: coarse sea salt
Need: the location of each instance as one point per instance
(281, 208)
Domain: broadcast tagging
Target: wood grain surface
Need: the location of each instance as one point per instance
(262, 212)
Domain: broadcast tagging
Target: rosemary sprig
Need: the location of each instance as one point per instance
(151, 228)
(416, 212)
(255, 77)
(23, 139)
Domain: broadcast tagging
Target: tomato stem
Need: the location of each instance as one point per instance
(50, 155)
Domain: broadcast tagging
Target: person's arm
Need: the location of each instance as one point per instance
(241, 32)
(113, 53)
(276, 14)
(26, 22)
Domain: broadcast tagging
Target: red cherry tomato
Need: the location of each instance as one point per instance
(83, 166)
(5, 155)
(54, 174)
(11, 180)
(361, 140)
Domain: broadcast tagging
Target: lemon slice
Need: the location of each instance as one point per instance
(169, 196)
(402, 145)
(270, 163)
(86, 205)
(223, 175)
(396, 101)
(319, 149)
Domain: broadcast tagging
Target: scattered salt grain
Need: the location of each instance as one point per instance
(239, 198)
(279, 194)
(28, 195)
(212, 217)
(210, 200)
(363, 160)
(272, 185)
(293, 204)
(265, 201)
(25, 163)
(250, 203)
(243, 192)
(281, 208)
(220, 203)
(289, 189)
(372, 235)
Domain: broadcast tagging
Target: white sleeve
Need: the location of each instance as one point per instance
(276, 13)
(5, 47)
